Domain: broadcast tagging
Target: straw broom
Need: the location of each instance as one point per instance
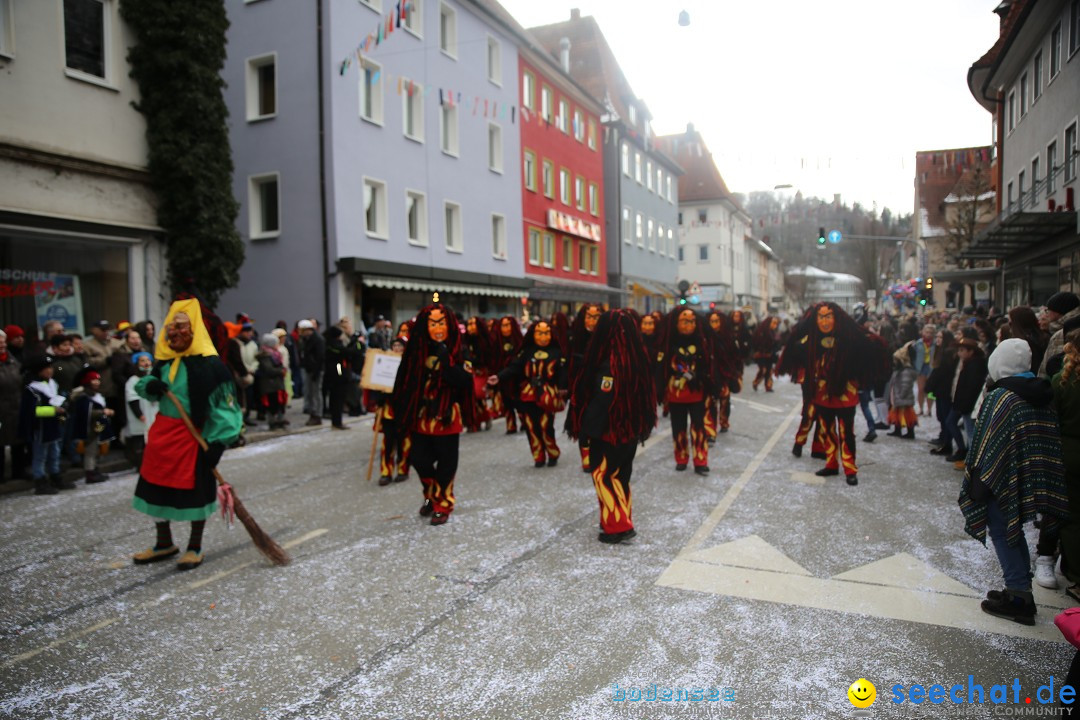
(263, 542)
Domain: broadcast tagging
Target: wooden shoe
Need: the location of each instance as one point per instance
(150, 555)
(189, 560)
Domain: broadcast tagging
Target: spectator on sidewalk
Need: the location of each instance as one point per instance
(40, 411)
(140, 411)
(145, 328)
(1025, 325)
(336, 375)
(271, 382)
(243, 363)
(99, 349)
(92, 419)
(312, 359)
(287, 348)
(1060, 308)
(16, 341)
(11, 386)
(923, 358)
(967, 383)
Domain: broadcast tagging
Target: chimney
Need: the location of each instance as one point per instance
(575, 13)
(689, 128)
(564, 54)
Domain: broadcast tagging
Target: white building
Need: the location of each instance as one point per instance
(812, 285)
(78, 229)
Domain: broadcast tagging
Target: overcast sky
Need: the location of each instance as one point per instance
(830, 97)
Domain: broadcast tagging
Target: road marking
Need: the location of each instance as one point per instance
(721, 509)
(756, 405)
(153, 603)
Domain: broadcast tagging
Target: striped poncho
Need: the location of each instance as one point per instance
(1016, 455)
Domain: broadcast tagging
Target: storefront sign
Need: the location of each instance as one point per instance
(572, 225)
(59, 299)
(982, 290)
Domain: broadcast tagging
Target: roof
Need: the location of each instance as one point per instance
(980, 71)
(937, 175)
(701, 181)
(594, 67)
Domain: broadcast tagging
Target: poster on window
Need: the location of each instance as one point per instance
(59, 299)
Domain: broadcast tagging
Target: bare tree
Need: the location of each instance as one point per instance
(967, 209)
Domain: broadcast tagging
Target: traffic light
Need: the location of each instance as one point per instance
(682, 300)
(821, 238)
(712, 306)
(930, 284)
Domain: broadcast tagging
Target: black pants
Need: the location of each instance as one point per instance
(336, 395)
(435, 458)
(612, 466)
(20, 458)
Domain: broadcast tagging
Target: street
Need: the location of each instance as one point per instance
(762, 582)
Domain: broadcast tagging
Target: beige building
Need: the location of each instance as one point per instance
(78, 229)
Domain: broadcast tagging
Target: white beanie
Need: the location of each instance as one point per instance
(1011, 357)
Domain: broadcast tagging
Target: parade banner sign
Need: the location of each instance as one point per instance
(61, 300)
(380, 370)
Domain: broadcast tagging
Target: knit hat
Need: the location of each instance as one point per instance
(39, 362)
(1063, 302)
(305, 325)
(269, 340)
(135, 357)
(86, 377)
(13, 331)
(1011, 357)
(969, 343)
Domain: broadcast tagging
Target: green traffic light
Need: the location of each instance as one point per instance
(682, 301)
(922, 301)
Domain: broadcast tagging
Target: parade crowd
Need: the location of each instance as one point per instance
(1003, 387)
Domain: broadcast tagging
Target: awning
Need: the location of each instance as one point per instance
(650, 287)
(1018, 231)
(571, 291)
(398, 283)
(968, 275)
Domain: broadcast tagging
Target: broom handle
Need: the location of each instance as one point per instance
(191, 428)
(374, 441)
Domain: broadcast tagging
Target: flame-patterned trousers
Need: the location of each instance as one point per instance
(697, 438)
(764, 373)
(612, 466)
(718, 412)
(540, 428)
(435, 458)
(839, 431)
(806, 424)
(394, 458)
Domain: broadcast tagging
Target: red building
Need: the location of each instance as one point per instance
(562, 186)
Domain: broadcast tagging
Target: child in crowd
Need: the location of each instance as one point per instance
(902, 394)
(40, 413)
(271, 382)
(140, 411)
(92, 423)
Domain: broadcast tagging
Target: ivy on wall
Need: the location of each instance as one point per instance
(176, 59)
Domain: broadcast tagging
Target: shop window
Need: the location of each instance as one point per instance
(262, 87)
(87, 31)
(375, 209)
(416, 219)
(264, 203)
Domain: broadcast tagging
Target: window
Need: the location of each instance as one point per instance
(1070, 153)
(1035, 179)
(416, 219)
(648, 175)
(549, 250)
(703, 252)
(495, 149)
(1074, 26)
(567, 254)
(579, 192)
(264, 203)
(564, 186)
(670, 195)
(549, 179)
(545, 103)
(412, 110)
(652, 235)
(639, 230)
(1051, 166)
(583, 258)
(626, 159)
(680, 219)
(494, 61)
(594, 260)
(448, 129)
(594, 199)
(413, 21)
(1009, 195)
(1036, 77)
(528, 90)
(671, 243)
(1012, 111)
(703, 215)
(637, 167)
(627, 231)
(375, 215)
(1055, 51)
(680, 253)
(592, 135)
(375, 5)
(534, 246)
(261, 87)
(661, 238)
(448, 30)
(87, 32)
(455, 240)
(1023, 94)
(579, 126)
(530, 170)
(563, 120)
(498, 237)
(371, 91)
(632, 113)
(7, 29)
(659, 181)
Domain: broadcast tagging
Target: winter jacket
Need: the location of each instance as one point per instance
(1056, 346)
(336, 366)
(97, 356)
(313, 353)
(902, 387)
(939, 384)
(11, 386)
(969, 385)
(65, 368)
(88, 417)
(271, 375)
(39, 420)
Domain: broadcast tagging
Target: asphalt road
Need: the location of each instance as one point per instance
(760, 585)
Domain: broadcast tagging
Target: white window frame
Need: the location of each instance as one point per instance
(420, 203)
(564, 186)
(534, 246)
(449, 141)
(632, 115)
(1010, 108)
(108, 66)
(1051, 166)
(382, 207)
(7, 29)
(528, 90)
(448, 31)
(375, 5)
(457, 227)
(1071, 155)
(495, 148)
(594, 199)
(547, 179)
(648, 175)
(579, 125)
(530, 172)
(1036, 77)
(415, 106)
(626, 159)
(661, 239)
(253, 87)
(583, 259)
(255, 183)
(567, 254)
(562, 120)
(1035, 166)
(594, 260)
(1055, 52)
(580, 188)
(494, 70)
(639, 229)
(547, 103)
(498, 236)
(591, 133)
(414, 18)
(627, 226)
(659, 180)
(375, 91)
(671, 241)
(670, 195)
(637, 167)
(548, 245)
(651, 234)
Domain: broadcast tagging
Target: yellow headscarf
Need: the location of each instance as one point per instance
(201, 344)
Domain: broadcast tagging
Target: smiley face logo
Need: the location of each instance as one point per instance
(862, 693)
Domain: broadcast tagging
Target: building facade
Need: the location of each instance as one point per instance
(1030, 81)
(79, 240)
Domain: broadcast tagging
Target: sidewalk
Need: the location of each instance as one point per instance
(115, 462)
